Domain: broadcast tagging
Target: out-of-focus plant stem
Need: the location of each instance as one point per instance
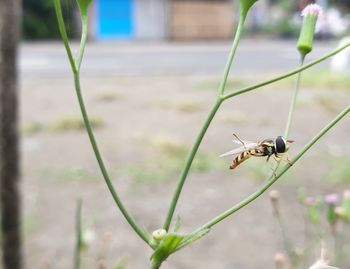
(78, 236)
(293, 103)
(286, 241)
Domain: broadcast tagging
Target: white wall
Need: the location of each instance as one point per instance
(151, 19)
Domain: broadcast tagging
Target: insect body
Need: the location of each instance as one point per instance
(267, 147)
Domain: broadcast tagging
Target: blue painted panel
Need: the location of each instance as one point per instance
(115, 19)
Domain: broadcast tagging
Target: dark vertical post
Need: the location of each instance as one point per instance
(9, 155)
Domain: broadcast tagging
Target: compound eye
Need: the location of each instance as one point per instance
(280, 144)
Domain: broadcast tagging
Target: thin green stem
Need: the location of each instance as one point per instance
(205, 126)
(286, 241)
(290, 115)
(130, 220)
(294, 259)
(75, 65)
(294, 101)
(189, 161)
(337, 235)
(155, 265)
(231, 55)
(285, 75)
(273, 179)
(63, 32)
(84, 34)
(78, 236)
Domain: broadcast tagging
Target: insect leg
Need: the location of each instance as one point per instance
(273, 172)
(268, 157)
(276, 158)
(289, 161)
(284, 158)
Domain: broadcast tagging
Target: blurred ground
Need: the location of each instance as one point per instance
(147, 102)
(133, 58)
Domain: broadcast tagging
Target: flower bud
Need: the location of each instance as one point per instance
(83, 7)
(159, 234)
(332, 199)
(306, 38)
(157, 237)
(309, 201)
(245, 5)
(280, 260)
(274, 195)
(340, 211)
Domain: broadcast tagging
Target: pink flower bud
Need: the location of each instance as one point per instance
(332, 199)
(312, 9)
(306, 38)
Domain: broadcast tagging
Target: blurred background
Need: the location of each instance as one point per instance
(161, 20)
(150, 74)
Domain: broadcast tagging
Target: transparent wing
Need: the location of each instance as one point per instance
(240, 142)
(239, 150)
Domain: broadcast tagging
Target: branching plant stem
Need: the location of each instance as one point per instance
(221, 97)
(288, 74)
(75, 65)
(130, 220)
(273, 179)
(205, 126)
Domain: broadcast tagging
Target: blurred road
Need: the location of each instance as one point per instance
(189, 58)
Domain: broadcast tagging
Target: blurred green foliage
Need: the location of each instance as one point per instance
(39, 19)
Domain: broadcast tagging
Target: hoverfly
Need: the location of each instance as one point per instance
(267, 147)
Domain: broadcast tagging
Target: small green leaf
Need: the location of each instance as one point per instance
(83, 7)
(189, 239)
(177, 224)
(166, 247)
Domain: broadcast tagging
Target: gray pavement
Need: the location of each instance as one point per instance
(168, 58)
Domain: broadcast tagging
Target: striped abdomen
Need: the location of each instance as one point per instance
(245, 155)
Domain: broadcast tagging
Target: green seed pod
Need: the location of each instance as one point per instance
(306, 38)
